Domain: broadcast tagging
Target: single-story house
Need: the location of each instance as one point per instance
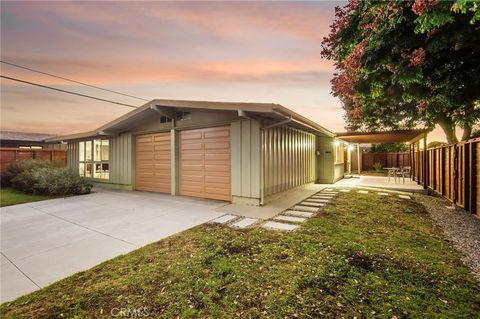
(237, 152)
(25, 140)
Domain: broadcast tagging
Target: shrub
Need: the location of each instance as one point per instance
(18, 167)
(377, 167)
(49, 180)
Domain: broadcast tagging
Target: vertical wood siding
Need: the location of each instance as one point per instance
(121, 151)
(288, 159)
(72, 155)
(246, 162)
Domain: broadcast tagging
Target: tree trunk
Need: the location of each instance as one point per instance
(467, 132)
(449, 130)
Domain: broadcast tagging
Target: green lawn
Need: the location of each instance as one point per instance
(9, 196)
(365, 256)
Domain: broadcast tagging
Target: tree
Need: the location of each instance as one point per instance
(389, 148)
(401, 64)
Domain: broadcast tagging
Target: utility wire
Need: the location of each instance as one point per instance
(70, 80)
(65, 91)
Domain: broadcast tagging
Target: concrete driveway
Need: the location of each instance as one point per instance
(46, 241)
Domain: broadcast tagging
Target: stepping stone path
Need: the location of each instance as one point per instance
(345, 190)
(449, 207)
(383, 194)
(290, 219)
(297, 213)
(224, 219)
(404, 196)
(245, 222)
(279, 226)
(305, 208)
(363, 192)
(300, 212)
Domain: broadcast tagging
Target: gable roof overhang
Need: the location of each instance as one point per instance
(378, 137)
(169, 108)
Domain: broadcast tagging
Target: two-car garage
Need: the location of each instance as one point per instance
(204, 162)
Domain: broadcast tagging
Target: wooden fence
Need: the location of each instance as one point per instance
(385, 159)
(8, 155)
(452, 171)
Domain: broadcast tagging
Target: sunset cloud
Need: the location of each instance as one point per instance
(224, 51)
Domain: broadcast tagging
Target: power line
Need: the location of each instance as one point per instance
(65, 91)
(70, 80)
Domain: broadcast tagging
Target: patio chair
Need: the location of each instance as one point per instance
(391, 173)
(404, 172)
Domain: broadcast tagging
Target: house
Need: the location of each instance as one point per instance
(237, 152)
(10, 139)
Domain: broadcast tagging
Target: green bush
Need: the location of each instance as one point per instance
(377, 167)
(43, 178)
(17, 167)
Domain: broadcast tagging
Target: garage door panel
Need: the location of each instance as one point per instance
(153, 163)
(217, 179)
(205, 163)
(217, 168)
(221, 145)
(165, 138)
(191, 135)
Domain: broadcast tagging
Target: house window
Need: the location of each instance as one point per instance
(184, 116)
(165, 119)
(93, 158)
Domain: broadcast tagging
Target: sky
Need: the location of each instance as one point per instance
(213, 51)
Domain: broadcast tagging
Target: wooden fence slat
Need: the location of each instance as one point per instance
(9, 155)
(452, 171)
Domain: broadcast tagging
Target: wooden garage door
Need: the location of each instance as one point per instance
(205, 163)
(153, 163)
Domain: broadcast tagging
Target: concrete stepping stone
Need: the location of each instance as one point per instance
(383, 194)
(345, 190)
(318, 200)
(328, 189)
(449, 207)
(279, 226)
(298, 213)
(290, 219)
(325, 194)
(312, 204)
(363, 192)
(245, 222)
(322, 197)
(224, 219)
(404, 196)
(305, 208)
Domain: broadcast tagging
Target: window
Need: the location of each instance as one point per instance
(165, 119)
(184, 116)
(94, 159)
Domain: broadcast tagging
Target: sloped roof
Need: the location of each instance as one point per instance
(24, 136)
(147, 110)
(376, 137)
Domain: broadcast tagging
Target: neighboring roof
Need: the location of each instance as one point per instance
(398, 136)
(24, 136)
(145, 111)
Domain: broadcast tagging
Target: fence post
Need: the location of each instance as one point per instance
(455, 175)
(425, 162)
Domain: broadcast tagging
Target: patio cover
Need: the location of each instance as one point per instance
(399, 136)
(412, 137)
